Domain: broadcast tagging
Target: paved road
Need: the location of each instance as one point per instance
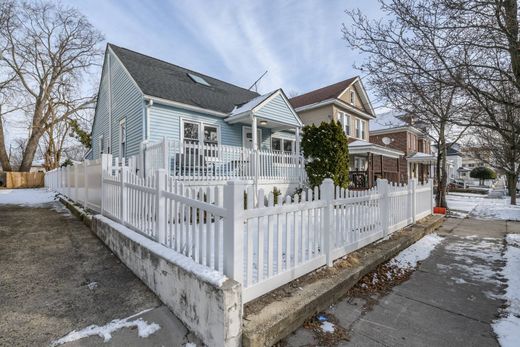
(56, 276)
(450, 300)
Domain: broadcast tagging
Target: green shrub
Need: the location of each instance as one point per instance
(483, 173)
(325, 148)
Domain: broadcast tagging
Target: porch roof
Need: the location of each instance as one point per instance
(272, 109)
(422, 158)
(364, 147)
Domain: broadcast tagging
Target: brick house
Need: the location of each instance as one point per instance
(417, 160)
(347, 102)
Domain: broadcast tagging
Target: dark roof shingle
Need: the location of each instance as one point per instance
(171, 82)
(328, 92)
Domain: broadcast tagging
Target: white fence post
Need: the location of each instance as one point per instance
(122, 202)
(160, 204)
(69, 183)
(166, 156)
(106, 168)
(327, 194)
(384, 204)
(412, 185)
(234, 230)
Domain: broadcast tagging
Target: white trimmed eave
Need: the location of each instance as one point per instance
(377, 150)
(398, 129)
(184, 106)
(423, 158)
(246, 115)
(337, 103)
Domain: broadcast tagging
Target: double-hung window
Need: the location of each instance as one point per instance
(285, 145)
(195, 133)
(358, 128)
(191, 132)
(345, 122)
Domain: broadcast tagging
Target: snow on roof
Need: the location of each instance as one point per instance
(386, 120)
(251, 104)
(359, 143)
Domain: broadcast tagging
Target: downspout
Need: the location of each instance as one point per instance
(109, 149)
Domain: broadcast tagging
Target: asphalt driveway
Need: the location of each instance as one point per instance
(56, 277)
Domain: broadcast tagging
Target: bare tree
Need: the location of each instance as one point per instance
(474, 45)
(50, 49)
(394, 69)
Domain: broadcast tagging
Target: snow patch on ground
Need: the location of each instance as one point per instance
(473, 258)
(507, 328)
(482, 207)
(144, 329)
(190, 344)
(92, 285)
(26, 197)
(417, 252)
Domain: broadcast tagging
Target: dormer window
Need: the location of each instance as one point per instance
(198, 79)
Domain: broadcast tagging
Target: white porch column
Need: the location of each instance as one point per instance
(254, 134)
(255, 153)
(299, 164)
(297, 142)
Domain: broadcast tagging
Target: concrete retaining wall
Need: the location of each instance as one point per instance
(210, 306)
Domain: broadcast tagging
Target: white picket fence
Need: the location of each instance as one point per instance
(79, 182)
(248, 235)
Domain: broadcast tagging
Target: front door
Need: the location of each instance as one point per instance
(247, 137)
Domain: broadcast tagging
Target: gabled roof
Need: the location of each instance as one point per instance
(250, 105)
(329, 92)
(167, 81)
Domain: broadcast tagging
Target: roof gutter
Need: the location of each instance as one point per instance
(337, 103)
(184, 106)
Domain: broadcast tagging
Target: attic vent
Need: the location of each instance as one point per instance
(198, 79)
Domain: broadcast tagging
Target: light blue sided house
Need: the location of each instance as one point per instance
(199, 128)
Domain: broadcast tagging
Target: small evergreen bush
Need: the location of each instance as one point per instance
(325, 148)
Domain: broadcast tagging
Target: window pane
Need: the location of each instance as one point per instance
(191, 132)
(276, 144)
(210, 134)
(287, 146)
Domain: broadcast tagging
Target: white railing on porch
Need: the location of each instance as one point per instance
(207, 162)
(259, 240)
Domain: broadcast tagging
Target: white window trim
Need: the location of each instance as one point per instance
(282, 139)
(201, 130)
(345, 121)
(358, 128)
(101, 141)
(121, 123)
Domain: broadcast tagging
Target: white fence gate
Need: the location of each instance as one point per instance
(254, 238)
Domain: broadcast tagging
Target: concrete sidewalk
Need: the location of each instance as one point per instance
(450, 300)
(56, 277)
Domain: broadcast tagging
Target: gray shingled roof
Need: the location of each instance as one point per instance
(171, 82)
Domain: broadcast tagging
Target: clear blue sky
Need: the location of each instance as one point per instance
(299, 42)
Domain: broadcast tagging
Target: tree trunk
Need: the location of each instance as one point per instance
(4, 158)
(442, 179)
(511, 186)
(30, 151)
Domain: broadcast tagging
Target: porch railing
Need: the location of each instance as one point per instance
(209, 162)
